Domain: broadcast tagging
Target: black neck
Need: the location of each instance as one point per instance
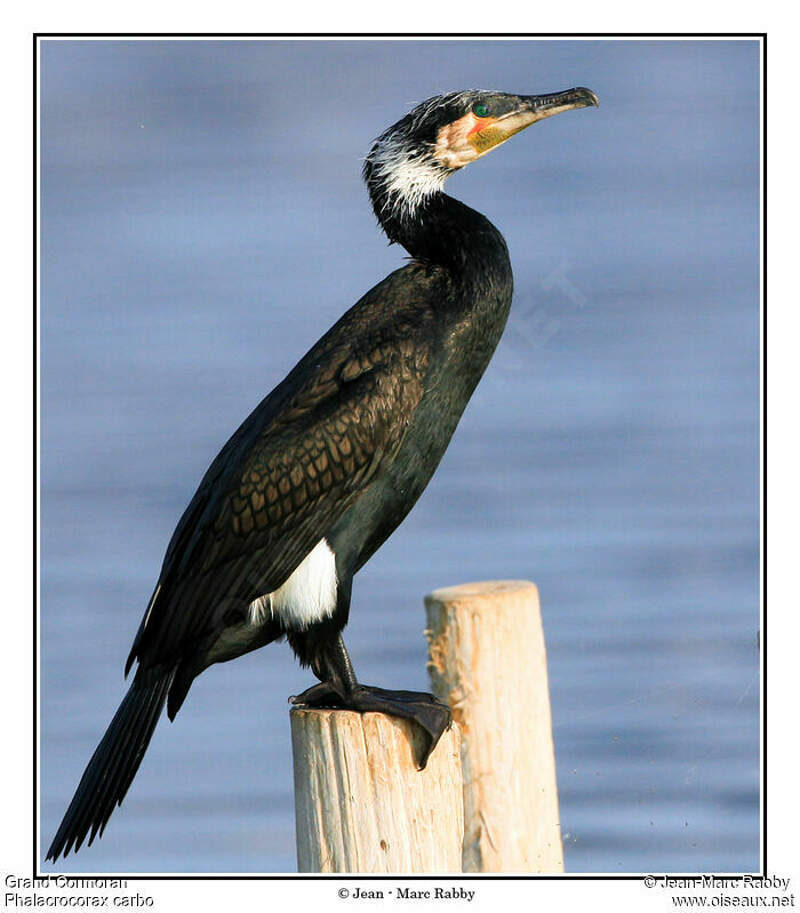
(445, 232)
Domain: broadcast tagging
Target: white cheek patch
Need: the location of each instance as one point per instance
(308, 596)
(453, 147)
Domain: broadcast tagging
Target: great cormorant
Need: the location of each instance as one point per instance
(332, 460)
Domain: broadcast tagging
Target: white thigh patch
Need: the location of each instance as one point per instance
(309, 595)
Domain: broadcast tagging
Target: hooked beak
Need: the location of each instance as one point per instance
(540, 106)
(532, 108)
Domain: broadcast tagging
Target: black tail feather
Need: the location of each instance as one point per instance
(114, 764)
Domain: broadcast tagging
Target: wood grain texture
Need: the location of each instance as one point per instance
(361, 805)
(488, 662)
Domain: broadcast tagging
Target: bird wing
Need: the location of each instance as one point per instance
(294, 466)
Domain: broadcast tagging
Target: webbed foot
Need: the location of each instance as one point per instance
(430, 714)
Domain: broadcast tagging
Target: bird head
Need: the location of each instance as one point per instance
(413, 158)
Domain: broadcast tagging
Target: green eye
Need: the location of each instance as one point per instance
(480, 110)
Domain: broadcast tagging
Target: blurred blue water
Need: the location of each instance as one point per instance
(203, 223)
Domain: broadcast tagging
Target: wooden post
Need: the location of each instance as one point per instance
(361, 805)
(488, 662)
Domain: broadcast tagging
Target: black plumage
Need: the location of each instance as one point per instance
(331, 461)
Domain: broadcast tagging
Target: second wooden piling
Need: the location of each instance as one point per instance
(488, 662)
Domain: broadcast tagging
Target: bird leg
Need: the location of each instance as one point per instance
(339, 689)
